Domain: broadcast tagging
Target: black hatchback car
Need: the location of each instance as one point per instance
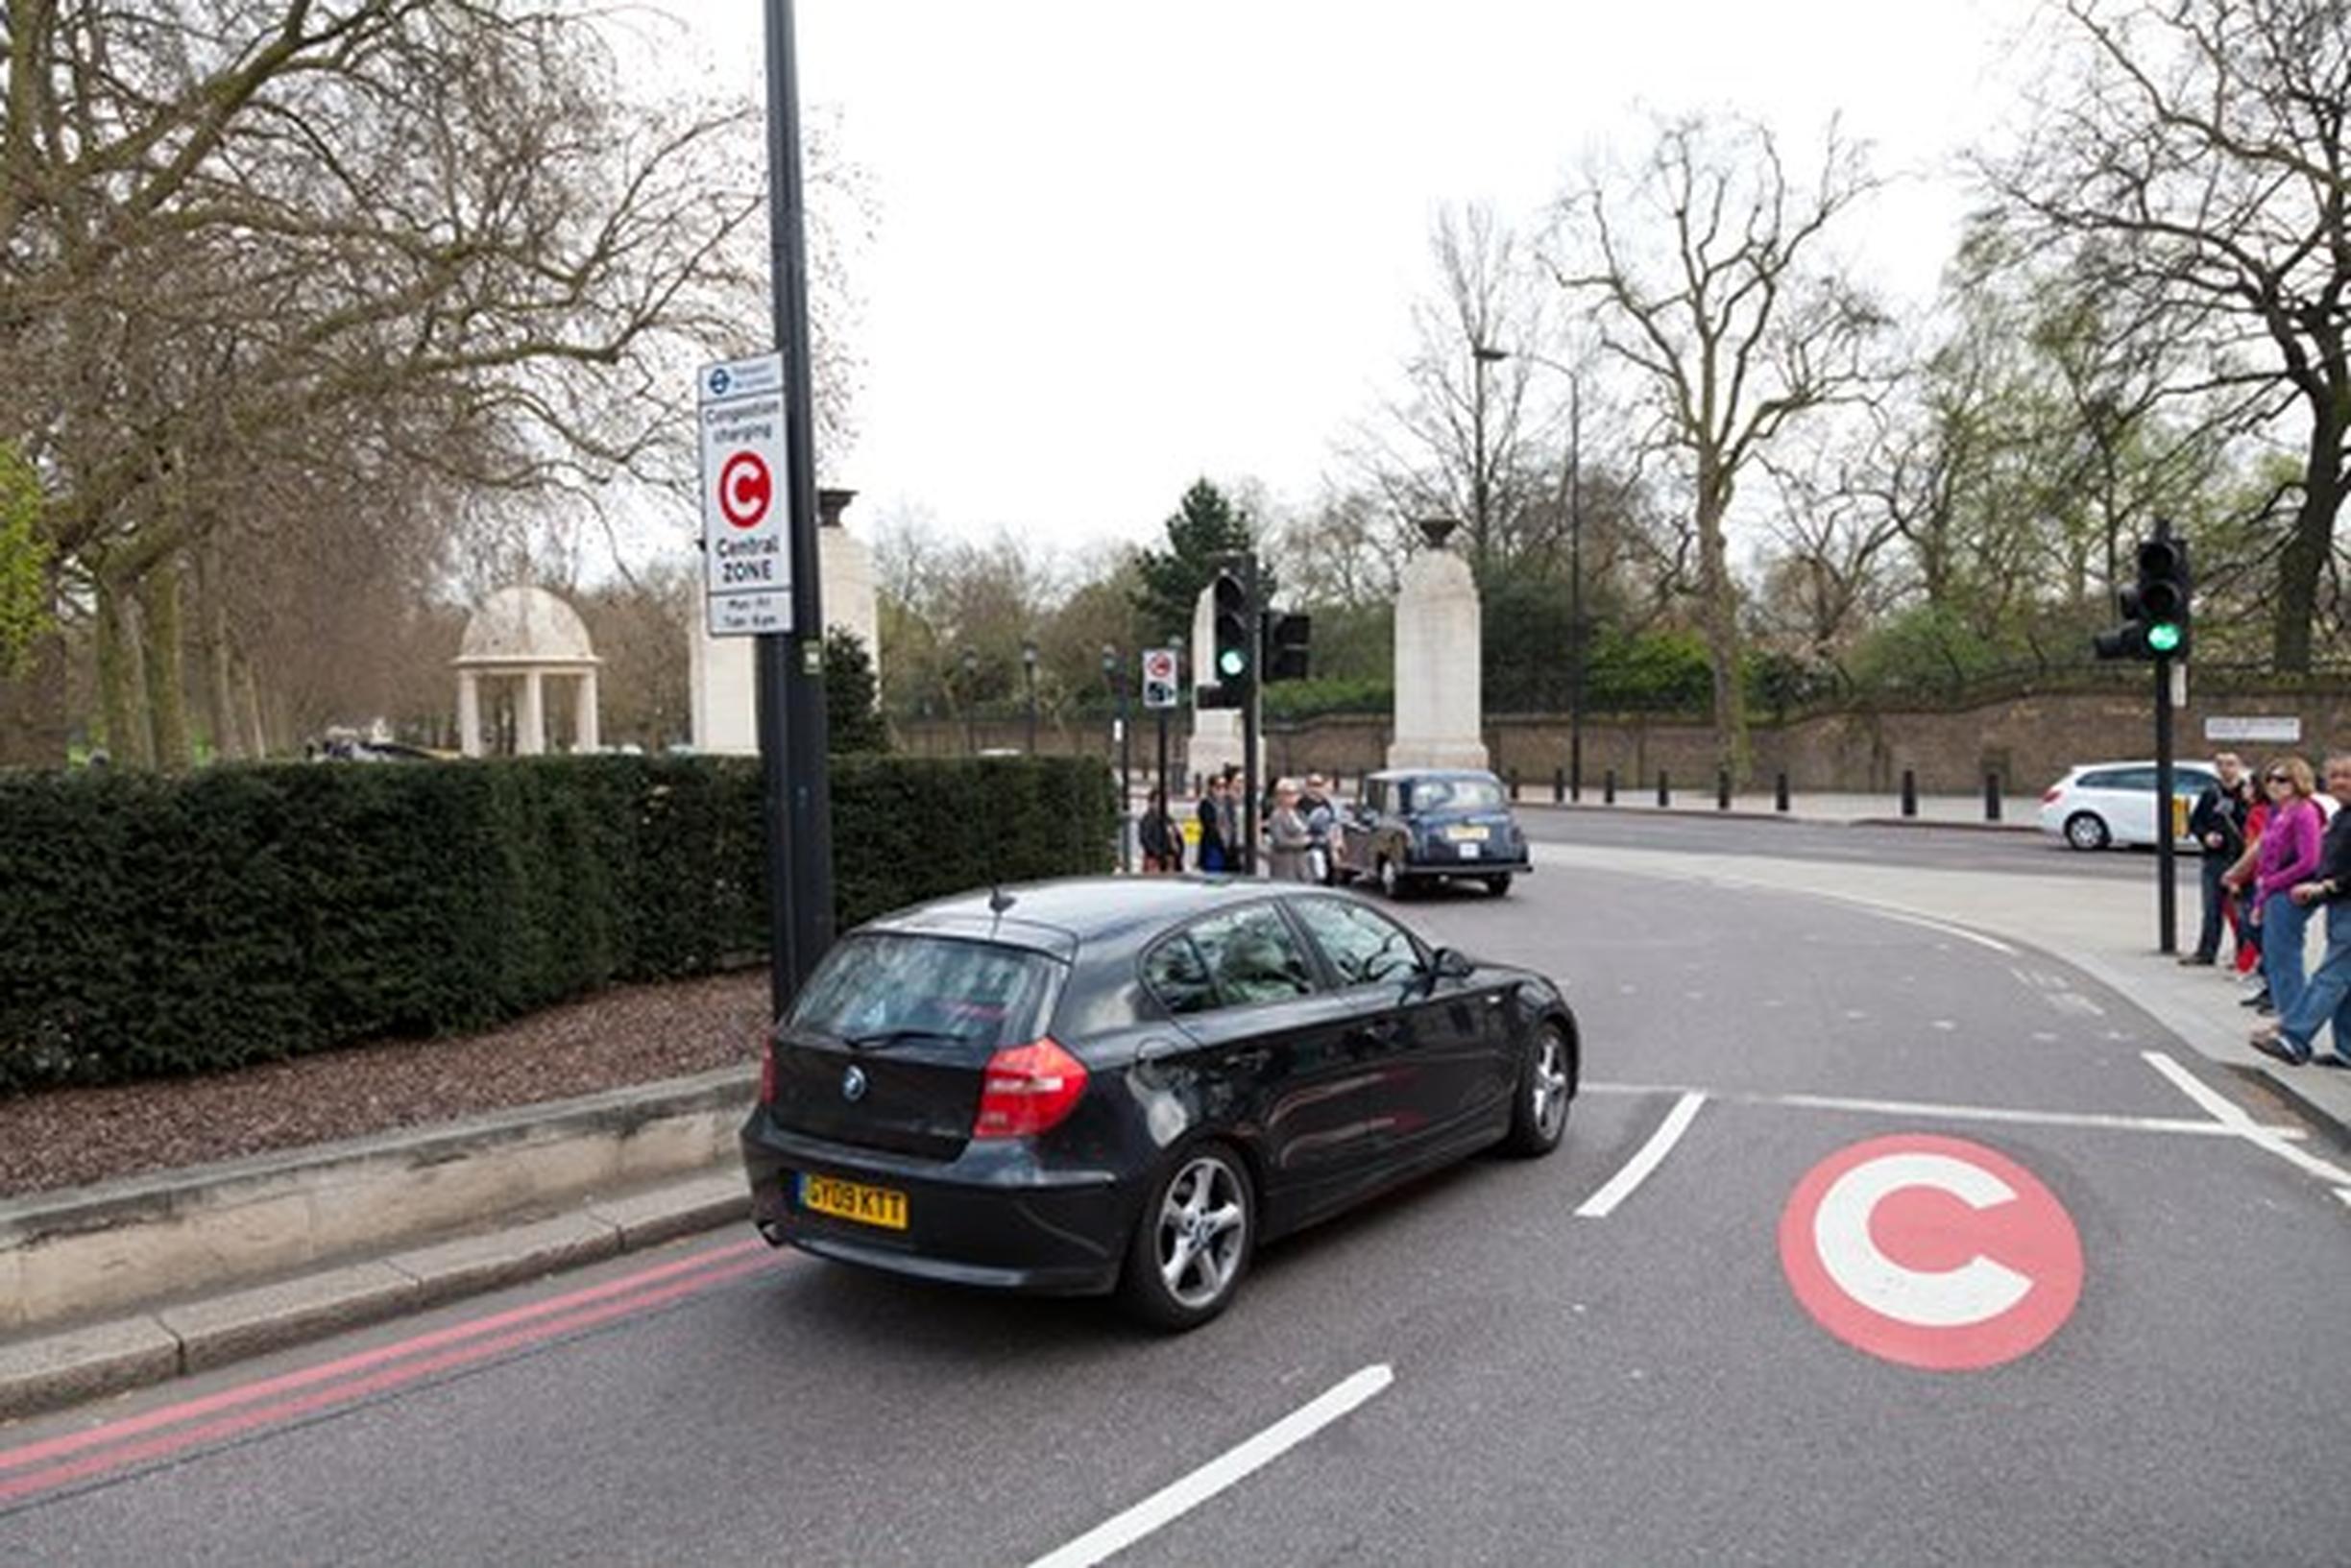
(1128, 1084)
(1415, 826)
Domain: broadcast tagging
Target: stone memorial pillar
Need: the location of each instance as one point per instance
(1440, 712)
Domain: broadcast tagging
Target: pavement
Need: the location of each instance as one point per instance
(2018, 813)
(1608, 1356)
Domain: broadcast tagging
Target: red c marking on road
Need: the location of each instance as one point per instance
(745, 488)
(1932, 1252)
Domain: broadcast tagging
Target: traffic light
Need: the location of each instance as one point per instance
(1286, 639)
(1232, 644)
(2156, 608)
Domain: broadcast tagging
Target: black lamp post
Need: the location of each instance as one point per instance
(1029, 662)
(971, 677)
(1481, 356)
(1118, 690)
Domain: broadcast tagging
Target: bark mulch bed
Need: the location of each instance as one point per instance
(628, 1035)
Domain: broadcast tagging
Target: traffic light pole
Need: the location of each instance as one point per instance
(2167, 890)
(1249, 715)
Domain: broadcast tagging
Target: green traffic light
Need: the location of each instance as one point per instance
(2164, 637)
(1229, 663)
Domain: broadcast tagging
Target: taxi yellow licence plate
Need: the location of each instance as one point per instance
(1467, 836)
(854, 1201)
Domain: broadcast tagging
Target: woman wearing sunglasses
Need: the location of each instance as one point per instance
(2288, 855)
(2326, 1000)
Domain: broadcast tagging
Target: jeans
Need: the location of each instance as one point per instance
(2327, 998)
(2283, 922)
(2215, 903)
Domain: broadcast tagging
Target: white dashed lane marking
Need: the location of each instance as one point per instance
(1122, 1531)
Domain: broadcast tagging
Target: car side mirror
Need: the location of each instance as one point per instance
(1448, 964)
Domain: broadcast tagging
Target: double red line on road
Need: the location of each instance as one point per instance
(42, 1466)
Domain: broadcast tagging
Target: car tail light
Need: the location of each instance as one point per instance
(767, 1070)
(2048, 796)
(1028, 1089)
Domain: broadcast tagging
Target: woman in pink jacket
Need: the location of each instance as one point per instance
(2288, 855)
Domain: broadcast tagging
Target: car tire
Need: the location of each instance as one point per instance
(2087, 831)
(1546, 1087)
(1498, 886)
(1182, 1266)
(1391, 882)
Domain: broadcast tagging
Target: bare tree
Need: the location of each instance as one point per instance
(1710, 290)
(2195, 157)
(1459, 442)
(245, 244)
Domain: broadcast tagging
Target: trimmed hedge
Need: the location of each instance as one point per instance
(153, 925)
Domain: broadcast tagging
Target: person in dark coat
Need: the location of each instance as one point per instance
(1161, 837)
(2218, 826)
(1211, 826)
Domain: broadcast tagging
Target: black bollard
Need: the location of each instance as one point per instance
(1722, 789)
(1513, 778)
(1559, 785)
(1910, 794)
(1664, 788)
(1779, 793)
(1607, 786)
(1992, 797)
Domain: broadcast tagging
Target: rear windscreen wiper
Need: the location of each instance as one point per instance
(887, 1038)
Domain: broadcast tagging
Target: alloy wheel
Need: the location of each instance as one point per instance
(1547, 1085)
(1203, 1231)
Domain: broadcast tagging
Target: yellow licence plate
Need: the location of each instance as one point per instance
(1467, 836)
(854, 1201)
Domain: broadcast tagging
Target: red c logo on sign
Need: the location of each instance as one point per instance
(1932, 1252)
(744, 490)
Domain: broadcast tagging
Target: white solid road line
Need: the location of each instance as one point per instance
(1602, 1203)
(2236, 1120)
(1953, 1113)
(1115, 1534)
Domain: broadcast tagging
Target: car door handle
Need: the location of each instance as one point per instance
(1385, 1032)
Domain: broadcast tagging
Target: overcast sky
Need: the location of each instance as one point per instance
(1121, 245)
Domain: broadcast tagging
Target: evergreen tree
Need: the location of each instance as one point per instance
(1206, 526)
(853, 723)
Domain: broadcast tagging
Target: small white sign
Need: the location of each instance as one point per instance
(746, 510)
(1159, 686)
(2286, 730)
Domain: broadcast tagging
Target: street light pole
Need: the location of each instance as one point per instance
(971, 676)
(1480, 357)
(1575, 587)
(789, 666)
(1029, 662)
(1126, 748)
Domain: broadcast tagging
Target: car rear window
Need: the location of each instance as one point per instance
(888, 983)
(1455, 794)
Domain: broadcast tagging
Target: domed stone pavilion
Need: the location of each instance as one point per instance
(519, 640)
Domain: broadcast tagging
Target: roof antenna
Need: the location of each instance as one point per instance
(999, 901)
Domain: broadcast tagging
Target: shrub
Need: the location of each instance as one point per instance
(154, 926)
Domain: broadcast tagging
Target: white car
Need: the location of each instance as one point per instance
(2102, 803)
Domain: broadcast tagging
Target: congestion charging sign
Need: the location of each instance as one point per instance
(746, 553)
(1931, 1252)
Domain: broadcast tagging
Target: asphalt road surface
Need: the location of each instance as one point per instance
(2132, 1342)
